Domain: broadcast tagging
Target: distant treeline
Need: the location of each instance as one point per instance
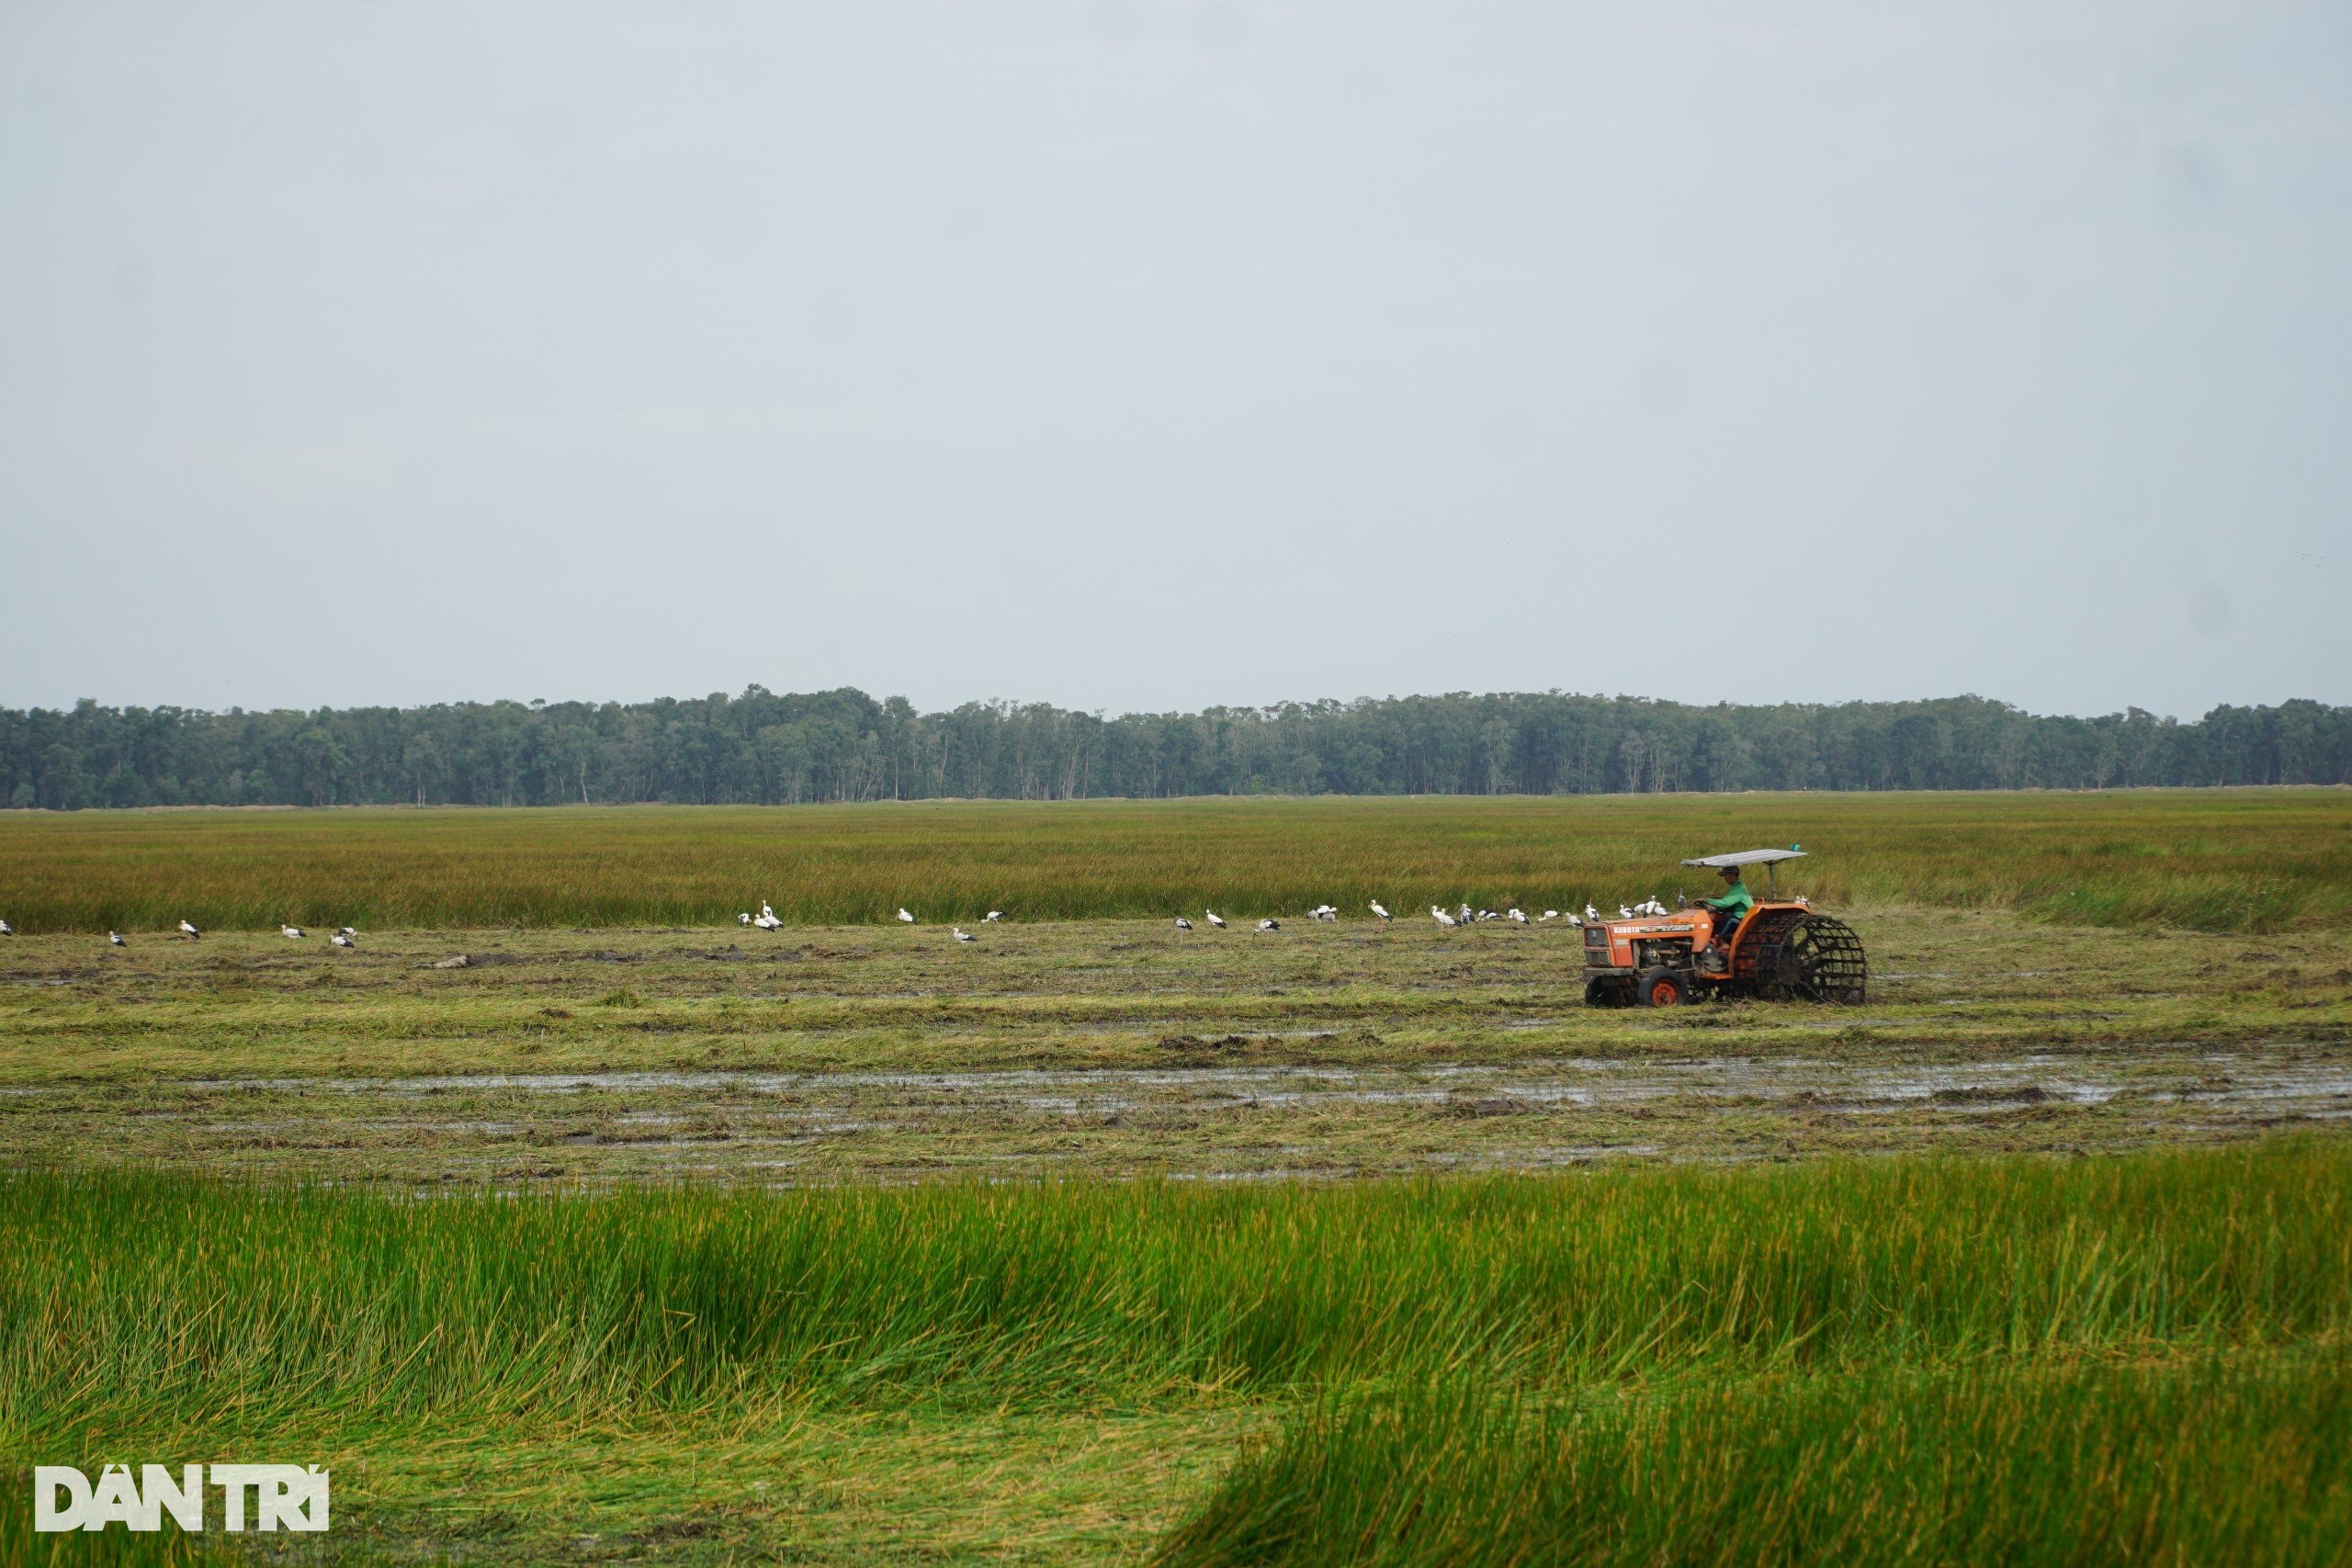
(766, 748)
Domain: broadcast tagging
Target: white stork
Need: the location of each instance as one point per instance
(187, 930)
(1591, 913)
(291, 934)
(992, 916)
(350, 931)
(904, 917)
(744, 917)
(1214, 918)
(1182, 924)
(1547, 915)
(1380, 912)
(114, 939)
(1624, 912)
(1270, 925)
(340, 940)
(1517, 915)
(963, 935)
(6, 929)
(1441, 918)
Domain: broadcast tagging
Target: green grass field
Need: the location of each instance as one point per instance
(644, 1238)
(1867, 1323)
(2209, 860)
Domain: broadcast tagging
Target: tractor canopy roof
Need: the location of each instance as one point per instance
(1749, 857)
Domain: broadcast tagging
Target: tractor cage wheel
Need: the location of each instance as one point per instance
(1816, 959)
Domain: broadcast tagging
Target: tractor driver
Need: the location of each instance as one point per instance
(1732, 907)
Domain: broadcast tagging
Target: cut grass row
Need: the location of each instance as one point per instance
(2217, 860)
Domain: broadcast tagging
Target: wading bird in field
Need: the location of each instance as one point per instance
(744, 917)
(6, 929)
(348, 931)
(992, 916)
(290, 932)
(1441, 918)
(1324, 912)
(1214, 918)
(1547, 915)
(1576, 922)
(963, 935)
(1624, 911)
(1591, 913)
(767, 920)
(114, 939)
(1466, 914)
(340, 940)
(1517, 915)
(1380, 912)
(1270, 925)
(907, 918)
(1182, 924)
(188, 931)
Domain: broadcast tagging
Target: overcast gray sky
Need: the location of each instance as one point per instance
(1148, 356)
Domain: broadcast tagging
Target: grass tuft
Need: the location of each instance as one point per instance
(2208, 1461)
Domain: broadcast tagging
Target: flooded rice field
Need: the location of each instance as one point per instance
(1213, 1120)
(2220, 1077)
(1115, 1048)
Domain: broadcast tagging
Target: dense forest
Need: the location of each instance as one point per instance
(844, 745)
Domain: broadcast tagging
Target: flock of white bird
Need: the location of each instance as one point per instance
(768, 921)
(346, 936)
(1451, 918)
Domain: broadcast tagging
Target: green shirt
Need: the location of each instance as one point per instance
(1733, 904)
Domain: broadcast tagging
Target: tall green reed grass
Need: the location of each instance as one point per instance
(132, 1302)
(2215, 859)
(2214, 1459)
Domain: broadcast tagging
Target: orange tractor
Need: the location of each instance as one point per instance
(1780, 949)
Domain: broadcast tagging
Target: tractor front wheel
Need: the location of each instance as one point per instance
(1600, 992)
(1663, 989)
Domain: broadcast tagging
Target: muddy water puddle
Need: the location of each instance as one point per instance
(1207, 1119)
(2203, 1077)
